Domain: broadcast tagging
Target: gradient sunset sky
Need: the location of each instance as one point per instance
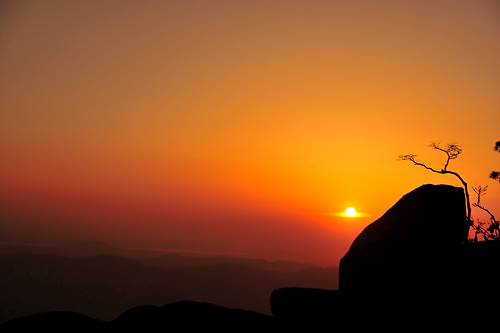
(237, 127)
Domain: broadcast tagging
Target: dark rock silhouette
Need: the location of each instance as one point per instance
(407, 249)
(297, 301)
(408, 271)
(315, 309)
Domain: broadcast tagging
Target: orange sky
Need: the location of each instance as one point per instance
(237, 126)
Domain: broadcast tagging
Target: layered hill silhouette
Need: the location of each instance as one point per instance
(105, 286)
(175, 248)
(409, 271)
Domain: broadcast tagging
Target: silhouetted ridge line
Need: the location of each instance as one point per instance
(183, 316)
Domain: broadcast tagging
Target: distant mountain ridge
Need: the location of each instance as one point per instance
(173, 259)
(104, 286)
(76, 250)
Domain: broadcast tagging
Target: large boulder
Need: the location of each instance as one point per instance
(406, 253)
(409, 271)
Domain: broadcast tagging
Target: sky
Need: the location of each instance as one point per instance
(238, 127)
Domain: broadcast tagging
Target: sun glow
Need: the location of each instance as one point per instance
(350, 212)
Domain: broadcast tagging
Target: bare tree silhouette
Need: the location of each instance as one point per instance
(492, 232)
(452, 151)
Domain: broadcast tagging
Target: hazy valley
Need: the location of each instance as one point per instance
(104, 286)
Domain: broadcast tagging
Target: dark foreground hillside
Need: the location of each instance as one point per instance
(185, 316)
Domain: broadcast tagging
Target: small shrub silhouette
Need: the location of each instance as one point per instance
(491, 231)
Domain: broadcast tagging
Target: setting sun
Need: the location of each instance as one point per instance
(350, 212)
